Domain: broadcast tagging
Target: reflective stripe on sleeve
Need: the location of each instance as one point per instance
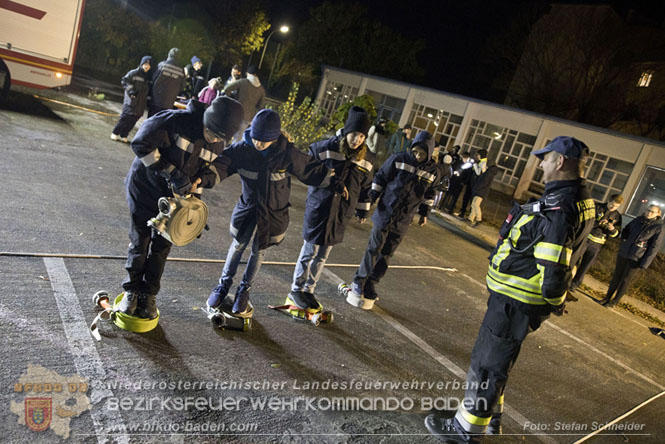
(376, 187)
(208, 155)
(552, 253)
(596, 239)
(151, 158)
(329, 154)
(363, 206)
(425, 175)
(364, 164)
(405, 167)
(253, 175)
(184, 144)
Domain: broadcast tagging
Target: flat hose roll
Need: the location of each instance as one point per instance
(181, 219)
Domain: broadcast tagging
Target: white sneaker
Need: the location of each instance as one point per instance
(115, 137)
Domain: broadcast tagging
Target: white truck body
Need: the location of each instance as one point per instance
(38, 40)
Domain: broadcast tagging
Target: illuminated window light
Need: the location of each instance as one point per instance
(645, 79)
(497, 136)
(430, 115)
(58, 74)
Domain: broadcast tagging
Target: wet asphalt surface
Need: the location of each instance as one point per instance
(62, 192)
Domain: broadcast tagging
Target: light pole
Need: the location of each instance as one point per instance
(283, 29)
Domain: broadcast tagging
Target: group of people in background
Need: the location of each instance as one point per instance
(184, 151)
(158, 88)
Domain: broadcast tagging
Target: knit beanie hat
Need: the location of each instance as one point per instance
(173, 53)
(223, 117)
(252, 70)
(266, 126)
(358, 120)
(195, 59)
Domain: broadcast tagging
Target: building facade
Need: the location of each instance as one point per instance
(619, 163)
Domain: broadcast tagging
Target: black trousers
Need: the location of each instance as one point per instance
(497, 347)
(468, 194)
(450, 199)
(146, 257)
(624, 271)
(380, 248)
(125, 124)
(588, 258)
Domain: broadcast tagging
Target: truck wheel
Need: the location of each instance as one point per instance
(5, 80)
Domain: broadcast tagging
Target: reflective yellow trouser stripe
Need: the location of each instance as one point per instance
(470, 422)
(598, 240)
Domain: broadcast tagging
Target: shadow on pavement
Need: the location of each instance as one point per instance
(26, 104)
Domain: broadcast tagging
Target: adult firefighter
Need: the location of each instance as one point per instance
(529, 273)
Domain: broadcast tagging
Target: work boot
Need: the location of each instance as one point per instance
(449, 430)
(494, 427)
(604, 301)
(128, 303)
(369, 290)
(242, 299)
(305, 300)
(218, 294)
(147, 306)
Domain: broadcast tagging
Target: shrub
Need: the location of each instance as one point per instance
(303, 122)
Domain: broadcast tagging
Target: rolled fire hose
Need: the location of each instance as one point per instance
(181, 219)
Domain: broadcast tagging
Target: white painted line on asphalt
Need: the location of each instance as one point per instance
(605, 355)
(614, 421)
(86, 359)
(438, 357)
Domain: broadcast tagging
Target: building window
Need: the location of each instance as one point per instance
(387, 107)
(650, 191)
(507, 148)
(335, 95)
(443, 125)
(645, 79)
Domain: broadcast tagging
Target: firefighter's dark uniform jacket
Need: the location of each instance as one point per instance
(266, 186)
(137, 85)
(536, 270)
(167, 81)
(404, 186)
(642, 238)
(174, 136)
(326, 211)
(604, 216)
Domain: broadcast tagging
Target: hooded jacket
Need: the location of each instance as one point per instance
(250, 94)
(483, 183)
(266, 186)
(167, 81)
(137, 85)
(326, 211)
(175, 136)
(404, 186)
(642, 239)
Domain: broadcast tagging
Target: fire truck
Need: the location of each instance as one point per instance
(38, 40)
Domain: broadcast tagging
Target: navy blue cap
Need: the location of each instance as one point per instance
(568, 146)
(266, 126)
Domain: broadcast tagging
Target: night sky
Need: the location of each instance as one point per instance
(456, 33)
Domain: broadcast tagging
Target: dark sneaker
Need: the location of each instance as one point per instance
(304, 300)
(369, 290)
(128, 303)
(147, 306)
(494, 427)
(447, 430)
(242, 299)
(217, 295)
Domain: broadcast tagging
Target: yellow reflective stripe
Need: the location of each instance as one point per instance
(512, 292)
(616, 233)
(515, 232)
(598, 240)
(556, 301)
(553, 253)
(531, 285)
(473, 419)
(587, 209)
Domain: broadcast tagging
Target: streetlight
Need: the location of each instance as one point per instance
(283, 29)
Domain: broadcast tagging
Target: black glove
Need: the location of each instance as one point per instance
(132, 93)
(559, 310)
(179, 180)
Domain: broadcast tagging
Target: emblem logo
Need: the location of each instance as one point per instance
(38, 413)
